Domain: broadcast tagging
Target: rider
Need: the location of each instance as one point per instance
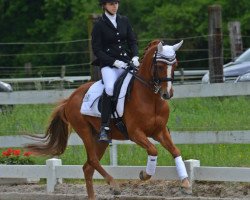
(114, 44)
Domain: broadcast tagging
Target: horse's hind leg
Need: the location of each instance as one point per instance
(95, 151)
(165, 140)
(89, 170)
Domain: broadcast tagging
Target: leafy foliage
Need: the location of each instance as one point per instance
(60, 20)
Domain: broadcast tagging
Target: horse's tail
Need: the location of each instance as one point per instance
(55, 140)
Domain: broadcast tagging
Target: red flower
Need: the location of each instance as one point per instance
(16, 152)
(5, 153)
(27, 154)
(9, 151)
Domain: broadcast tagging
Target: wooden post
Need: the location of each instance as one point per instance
(63, 71)
(182, 76)
(94, 70)
(215, 44)
(28, 69)
(28, 73)
(235, 39)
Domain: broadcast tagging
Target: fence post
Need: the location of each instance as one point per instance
(190, 165)
(28, 73)
(215, 52)
(235, 39)
(51, 179)
(63, 71)
(113, 154)
(182, 76)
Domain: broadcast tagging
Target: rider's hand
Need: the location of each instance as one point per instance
(120, 64)
(135, 61)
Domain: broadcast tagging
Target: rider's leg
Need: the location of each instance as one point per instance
(109, 76)
(105, 117)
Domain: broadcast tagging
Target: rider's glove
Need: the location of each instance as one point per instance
(120, 64)
(135, 61)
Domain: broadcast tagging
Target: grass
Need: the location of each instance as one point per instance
(202, 114)
(195, 114)
(229, 155)
(25, 119)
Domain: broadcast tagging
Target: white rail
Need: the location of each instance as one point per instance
(46, 79)
(203, 137)
(54, 171)
(184, 137)
(180, 91)
(183, 73)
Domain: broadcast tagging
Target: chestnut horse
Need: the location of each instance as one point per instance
(146, 114)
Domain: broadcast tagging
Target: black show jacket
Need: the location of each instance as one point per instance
(110, 43)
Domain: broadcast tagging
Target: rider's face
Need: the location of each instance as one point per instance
(112, 7)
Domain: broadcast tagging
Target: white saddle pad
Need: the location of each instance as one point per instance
(92, 97)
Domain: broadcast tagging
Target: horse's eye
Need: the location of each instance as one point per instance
(161, 68)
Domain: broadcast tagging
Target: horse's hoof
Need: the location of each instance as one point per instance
(186, 187)
(115, 189)
(186, 191)
(144, 176)
(116, 192)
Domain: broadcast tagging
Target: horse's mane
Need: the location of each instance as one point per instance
(152, 43)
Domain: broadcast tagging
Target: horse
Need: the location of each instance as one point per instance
(146, 115)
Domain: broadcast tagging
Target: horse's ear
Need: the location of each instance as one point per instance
(177, 46)
(160, 47)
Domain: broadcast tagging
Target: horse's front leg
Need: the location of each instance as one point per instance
(165, 140)
(141, 139)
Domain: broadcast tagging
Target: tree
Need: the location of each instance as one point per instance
(61, 20)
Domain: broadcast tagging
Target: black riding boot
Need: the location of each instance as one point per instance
(105, 117)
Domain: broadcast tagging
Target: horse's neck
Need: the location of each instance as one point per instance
(142, 90)
(146, 65)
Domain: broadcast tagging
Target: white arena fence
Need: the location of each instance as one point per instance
(202, 137)
(180, 91)
(54, 171)
(182, 75)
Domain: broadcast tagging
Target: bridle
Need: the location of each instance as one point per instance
(156, 79)
(155, 83)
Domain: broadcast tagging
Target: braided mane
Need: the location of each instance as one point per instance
(152, 43)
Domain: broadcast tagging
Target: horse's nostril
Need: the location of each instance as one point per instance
(165, 96)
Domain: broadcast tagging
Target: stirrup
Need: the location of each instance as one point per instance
(104, 134)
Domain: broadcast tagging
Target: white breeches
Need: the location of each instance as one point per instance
(109, 76)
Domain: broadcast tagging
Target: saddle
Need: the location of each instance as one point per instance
(92, 100)
(114, 101)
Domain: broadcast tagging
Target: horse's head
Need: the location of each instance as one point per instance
(162, 71)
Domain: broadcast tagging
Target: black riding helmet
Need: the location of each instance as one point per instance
(108, 1)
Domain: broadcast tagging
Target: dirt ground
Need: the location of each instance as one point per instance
(138, 188)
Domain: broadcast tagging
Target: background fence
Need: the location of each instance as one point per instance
(202, 137)
(54, 171)
(180, 91)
